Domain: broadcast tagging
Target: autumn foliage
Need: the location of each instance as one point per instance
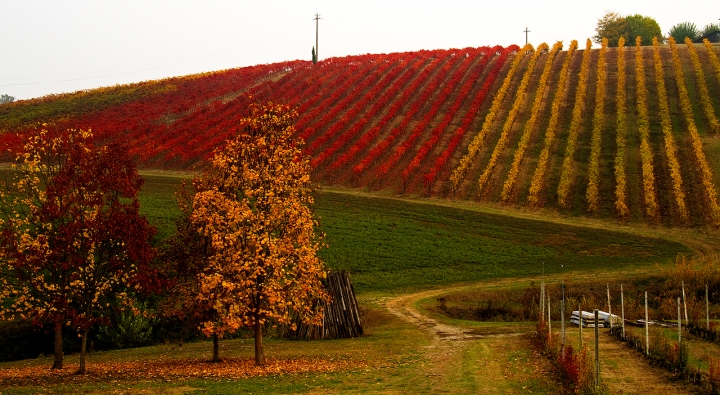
(73, 243)
(455, 123)
(251, 209)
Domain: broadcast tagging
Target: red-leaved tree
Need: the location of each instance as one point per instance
(72, 240)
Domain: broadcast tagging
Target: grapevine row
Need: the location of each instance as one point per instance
(435, 105)
(568, 166)
(705, 172)
(537, 182)
(477, 141)
(474, 108)
(621, 135)
(703, 89)
(337, 105)
(713, 57)
(448, 116)
(530, 125)
(514, 110)
(592, 194)
(359, 115)
(414, 107)
(643, 124)
(670, 149)
(393, 93)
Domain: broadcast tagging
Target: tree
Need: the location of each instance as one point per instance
(314, 55)
(709, 28)
(682, 30)
(643, 26)
(72, 240)
(251, 209)
(613, 26)
(189, 251)
(4, 98)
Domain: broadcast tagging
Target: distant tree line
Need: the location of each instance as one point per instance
(613, 26)
(4, 98)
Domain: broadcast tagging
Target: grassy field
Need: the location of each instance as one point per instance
(391, 244)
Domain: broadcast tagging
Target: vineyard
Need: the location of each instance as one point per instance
(629, 133)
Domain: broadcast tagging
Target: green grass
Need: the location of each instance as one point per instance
(391, 244)
(158, 203)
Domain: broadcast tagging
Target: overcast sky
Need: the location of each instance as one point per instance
(55, 46)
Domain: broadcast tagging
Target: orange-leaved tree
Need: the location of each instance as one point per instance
(72, 240)
(251, 212)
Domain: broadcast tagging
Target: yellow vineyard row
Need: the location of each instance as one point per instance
(643, 123)
(687, 111)
(670, 149)
(530, 125)
(621, 135)
(592, 194)
(568, 166)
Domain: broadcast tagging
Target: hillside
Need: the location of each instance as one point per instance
(624, 134)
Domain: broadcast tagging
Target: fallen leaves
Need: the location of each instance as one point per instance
(171, 370)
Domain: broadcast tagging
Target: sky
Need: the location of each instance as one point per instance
(54, 46)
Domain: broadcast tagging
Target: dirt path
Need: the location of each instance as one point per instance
(460, 360)
(504, 363)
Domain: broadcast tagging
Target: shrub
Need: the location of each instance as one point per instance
(684, 29)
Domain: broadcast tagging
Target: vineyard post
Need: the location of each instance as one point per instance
(542, 292)
(526, 31)
(622, 309)
(679, 324)
(707, 307)
(542, 301)
(647, 332)
(562, 320)
(549, 328)
(580, 313)
(684, 301)
(609, 305)
(597, 352)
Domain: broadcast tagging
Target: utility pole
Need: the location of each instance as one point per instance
(526, 31)
(317, 49)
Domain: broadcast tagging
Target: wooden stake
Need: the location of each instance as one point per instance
(609, 305)
(542, 300)
(622, 309)
(684, 301)
(679, 324)
(549, 328)
(597, 352)
(562, 321)
(647, 332)
(707, 307)
(581, 323)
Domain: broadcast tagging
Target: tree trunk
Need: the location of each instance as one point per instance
(58, 364)
(83, 348)
(259, 354)
(216, 348)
